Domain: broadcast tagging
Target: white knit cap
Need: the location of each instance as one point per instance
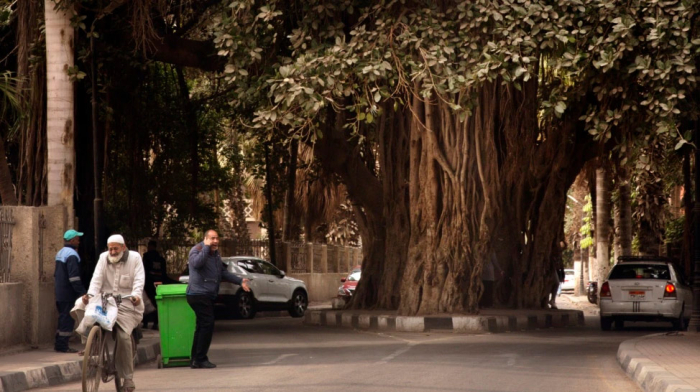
(116, 239)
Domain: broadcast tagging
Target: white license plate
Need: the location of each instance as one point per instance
(637, 294)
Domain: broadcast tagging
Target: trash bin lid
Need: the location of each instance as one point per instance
(166, 290)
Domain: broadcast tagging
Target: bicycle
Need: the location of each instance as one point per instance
(98, 362)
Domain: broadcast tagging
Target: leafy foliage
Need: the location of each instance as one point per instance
(637, 59)
(586, 230)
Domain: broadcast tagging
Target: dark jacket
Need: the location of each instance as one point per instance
(206, 272)
(154, 265)
(67, 275)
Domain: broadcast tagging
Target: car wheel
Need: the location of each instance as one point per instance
(298, 304)
(244, 307)
(606, 323)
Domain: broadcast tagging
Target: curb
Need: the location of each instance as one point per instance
(458, 324)
(60, 373)
(284, 313)
(646, 373)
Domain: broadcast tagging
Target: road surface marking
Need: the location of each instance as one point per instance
(395, 354)
(281, 357)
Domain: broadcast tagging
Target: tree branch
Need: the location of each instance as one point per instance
(187, 53)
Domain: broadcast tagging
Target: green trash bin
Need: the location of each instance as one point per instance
(177, 322)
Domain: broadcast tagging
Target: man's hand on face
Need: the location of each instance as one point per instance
(245, 286)
(207, 241)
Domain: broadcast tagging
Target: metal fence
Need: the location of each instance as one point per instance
(333, 253)
(7, 223)
(176, 252)
(299, 253)
(256, 248)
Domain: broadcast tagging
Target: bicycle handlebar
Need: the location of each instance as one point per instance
(118, 298)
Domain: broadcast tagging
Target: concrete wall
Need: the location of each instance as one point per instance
(321, 287)
(36, 238)
(12, 311)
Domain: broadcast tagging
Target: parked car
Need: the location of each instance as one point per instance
(270, 289)
(347, 288)
(569, 280)
(645, 289)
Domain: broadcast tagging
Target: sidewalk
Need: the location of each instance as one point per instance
(44, 367)
(665, 362)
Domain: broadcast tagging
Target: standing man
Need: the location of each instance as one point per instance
(206, 272)
(68, 288)
(556, 281)
(120, 271)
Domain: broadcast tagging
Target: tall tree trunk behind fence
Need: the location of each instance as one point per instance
(60, 105)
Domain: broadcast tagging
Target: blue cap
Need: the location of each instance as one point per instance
(70, 234)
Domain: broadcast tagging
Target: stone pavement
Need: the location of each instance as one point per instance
(44, 367)
(664, 362)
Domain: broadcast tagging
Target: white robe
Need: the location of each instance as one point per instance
(126, 277)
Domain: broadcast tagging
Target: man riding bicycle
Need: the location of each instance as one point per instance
(120, 271)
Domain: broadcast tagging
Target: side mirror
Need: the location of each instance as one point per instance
(282, 274)
(342, 280)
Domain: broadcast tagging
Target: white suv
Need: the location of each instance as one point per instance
(270, 289)
(645, 289)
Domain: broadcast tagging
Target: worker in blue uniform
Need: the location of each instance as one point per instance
(69, 287)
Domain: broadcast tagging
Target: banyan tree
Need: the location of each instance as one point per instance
(481, 114)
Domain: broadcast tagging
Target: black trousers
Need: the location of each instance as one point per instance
(65, 325)
(150, 290)
(203, 307)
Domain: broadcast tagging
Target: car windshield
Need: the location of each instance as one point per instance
(354, 276)
(569, 272)
(640, 271)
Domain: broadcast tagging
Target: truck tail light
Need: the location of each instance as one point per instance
(605, 291)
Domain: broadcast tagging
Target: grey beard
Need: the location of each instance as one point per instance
(115, 259)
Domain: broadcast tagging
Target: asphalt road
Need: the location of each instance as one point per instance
(281, 354)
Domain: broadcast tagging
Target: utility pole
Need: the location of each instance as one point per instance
(695, 318)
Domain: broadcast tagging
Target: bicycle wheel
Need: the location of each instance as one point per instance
(118, 380)
(92, 360)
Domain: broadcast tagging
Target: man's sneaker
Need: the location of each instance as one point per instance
(202, 365)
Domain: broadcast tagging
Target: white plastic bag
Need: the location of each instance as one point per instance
(94, 313)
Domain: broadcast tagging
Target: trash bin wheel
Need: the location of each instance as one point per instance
(159, 361)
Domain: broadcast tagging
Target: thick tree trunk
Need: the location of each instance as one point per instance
(603, 185)
(7, 189)
(494, 181)
(453, 187)
(651, 221)
(540, 163)
(393, 155)
(289, 231)
(60, 106)
(339, 156)
(623, 216)
(31, 181)
(686, 253)
(193, 137)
